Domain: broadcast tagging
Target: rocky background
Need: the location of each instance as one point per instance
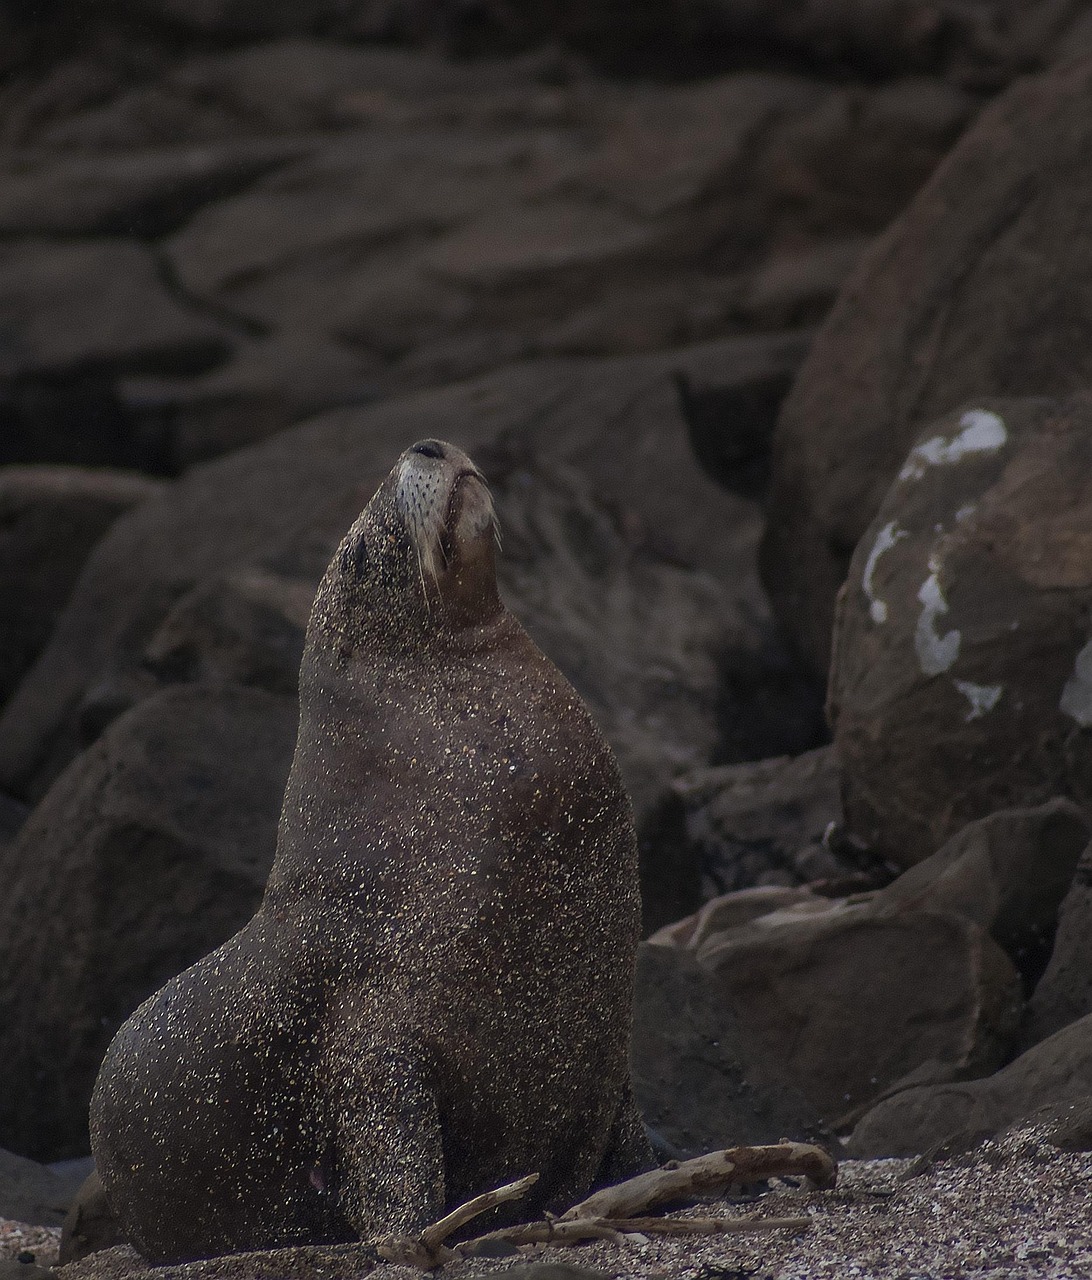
(735, 304)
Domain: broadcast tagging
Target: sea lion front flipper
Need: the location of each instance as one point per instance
(629, 1151)
(389, 1147)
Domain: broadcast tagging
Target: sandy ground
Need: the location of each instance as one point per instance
(1017, 1207)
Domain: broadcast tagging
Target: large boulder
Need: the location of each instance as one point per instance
(762, 822)
(961, 679)
(150, 850)
(700, 1083)
(51, 518)
(958, 1114)
(981, 288)
(848, 997)
(29, 1192)
(638, 579)
(67, 307)
(1009, 872)
(1064, 992)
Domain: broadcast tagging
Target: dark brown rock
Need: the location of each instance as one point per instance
(51, 518)
(763, 823)
(29, 1192)
(135, 193)
(68, 307)
(979, 289)
(89, 1225)
(699, 1081)
(1064, 992)
(267, 385)
(1008, 872)
(575, 522)
(960, 684)
(1055, 1072)
(801, 288)
(162, 835)
(848, 998)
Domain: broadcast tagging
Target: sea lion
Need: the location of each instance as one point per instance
(434, 996)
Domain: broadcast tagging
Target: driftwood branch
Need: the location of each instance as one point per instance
(435, 1235)
(689, 1179)
(610, 1214)
(575, 1230)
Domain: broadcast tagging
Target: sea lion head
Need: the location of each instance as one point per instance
(420, 560)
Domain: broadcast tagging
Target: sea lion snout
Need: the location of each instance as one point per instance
(445, 504)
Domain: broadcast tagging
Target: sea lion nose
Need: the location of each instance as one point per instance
(430, 448)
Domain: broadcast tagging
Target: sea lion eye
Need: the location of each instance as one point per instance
(429, 448)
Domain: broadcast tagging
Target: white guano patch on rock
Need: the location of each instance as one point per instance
(982, 697)
(1076, 700)
(936, 652)
(981, 432)
(885, 540)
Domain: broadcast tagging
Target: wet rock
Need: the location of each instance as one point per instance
(51, 518)
(89, 1226)
(1056, 1072)
(959, 682)
(847, 997)
(29, 1192)
(162, 835)
(699, 1081)
(66, 307)
(763, 823)
(134, 193)
(979, 289)
(1064, 992)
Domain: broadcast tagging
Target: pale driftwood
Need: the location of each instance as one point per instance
(435, 1235)
(610, 1213)
(428, 1250)
(688, 1179)
(574, 1230)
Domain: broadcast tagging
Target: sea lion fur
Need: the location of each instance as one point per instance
(434, 995)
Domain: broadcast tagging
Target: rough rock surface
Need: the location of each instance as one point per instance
(388, 219)
(161, 835)
(96, 305)
(1064, 992)
(618, 571)
(1054, 1072)
(960, 682)
(29, 1192)
(850, 996)
(979, 289)
(1009, 873)
(763, 823)
(699, 1082)
(89, 1224)
(50, 518)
